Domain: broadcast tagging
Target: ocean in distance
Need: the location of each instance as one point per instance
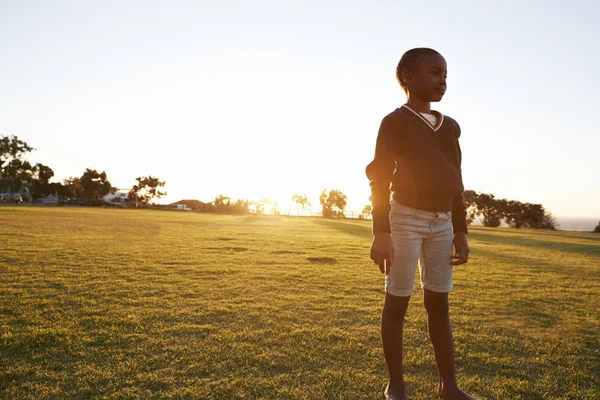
(583, 224)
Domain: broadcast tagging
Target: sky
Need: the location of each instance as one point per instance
(255, 99)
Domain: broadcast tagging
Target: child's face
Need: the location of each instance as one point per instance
(428, 79)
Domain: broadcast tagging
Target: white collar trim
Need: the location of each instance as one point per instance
(437, 114)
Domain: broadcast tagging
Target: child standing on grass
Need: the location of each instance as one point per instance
(418, 154)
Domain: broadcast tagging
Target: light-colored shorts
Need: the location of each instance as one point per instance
(422, 237)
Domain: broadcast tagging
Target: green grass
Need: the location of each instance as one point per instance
(139, 304)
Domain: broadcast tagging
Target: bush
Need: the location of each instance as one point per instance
(597, 228)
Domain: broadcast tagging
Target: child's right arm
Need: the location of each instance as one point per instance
(380, 172)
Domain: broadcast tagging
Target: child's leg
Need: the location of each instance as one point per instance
(436, 279)
(392, 323)
(408, 231)
(440, 332)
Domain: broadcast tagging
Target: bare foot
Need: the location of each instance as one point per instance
(395, 393)
(453, 394)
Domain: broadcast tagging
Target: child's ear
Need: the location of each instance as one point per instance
(407, 76)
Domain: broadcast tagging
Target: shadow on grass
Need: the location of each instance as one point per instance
(547, 306)
(579, 248)
(502, 237)
(352, 228)
(577, 235)
(551, 264)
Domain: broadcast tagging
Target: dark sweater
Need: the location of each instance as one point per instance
(422, 163)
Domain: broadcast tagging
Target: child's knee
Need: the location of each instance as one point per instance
(395, 307)
(437, 304)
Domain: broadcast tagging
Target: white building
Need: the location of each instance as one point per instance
(50, 199)
(116, 198)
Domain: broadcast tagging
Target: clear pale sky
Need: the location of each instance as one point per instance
(257, 98)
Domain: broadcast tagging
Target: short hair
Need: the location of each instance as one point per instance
(409, 60)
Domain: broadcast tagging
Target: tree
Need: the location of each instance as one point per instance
(514, 213)
(366, 211)
(470, 198)
(240, 206)
(491, 208)
(597, 228)
(528, 215)
(12, 165)
(538, 218)
(222, 204)
(333, 203)
(549, 222)
(43, 173)
(275, 207)
(257, 207)
(95, 185)
(146, 190)
(12, 150)
(301, 201)
(260, 207)
(40, 182)
(72, 187)
(20, 170)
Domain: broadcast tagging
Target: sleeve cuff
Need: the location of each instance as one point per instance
(381, 223)
(459, 225)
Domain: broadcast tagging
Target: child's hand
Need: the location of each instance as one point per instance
(382, 251)
(461, 248)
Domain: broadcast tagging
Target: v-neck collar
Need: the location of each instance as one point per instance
(440, 117)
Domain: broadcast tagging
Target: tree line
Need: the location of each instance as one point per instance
(91, 187)
(333, 203)
(493, 212)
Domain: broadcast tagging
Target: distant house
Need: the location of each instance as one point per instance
(182, 207)
(50, 199)
(193, 205)
(119, 197)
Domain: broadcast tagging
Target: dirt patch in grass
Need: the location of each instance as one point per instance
(236, 249)
(231, 249)
(322, 260)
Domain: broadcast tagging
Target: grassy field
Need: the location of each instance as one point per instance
(145, 304)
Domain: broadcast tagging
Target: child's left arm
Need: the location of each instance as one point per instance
(459, 220)
(461, 248)
(459, 225)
